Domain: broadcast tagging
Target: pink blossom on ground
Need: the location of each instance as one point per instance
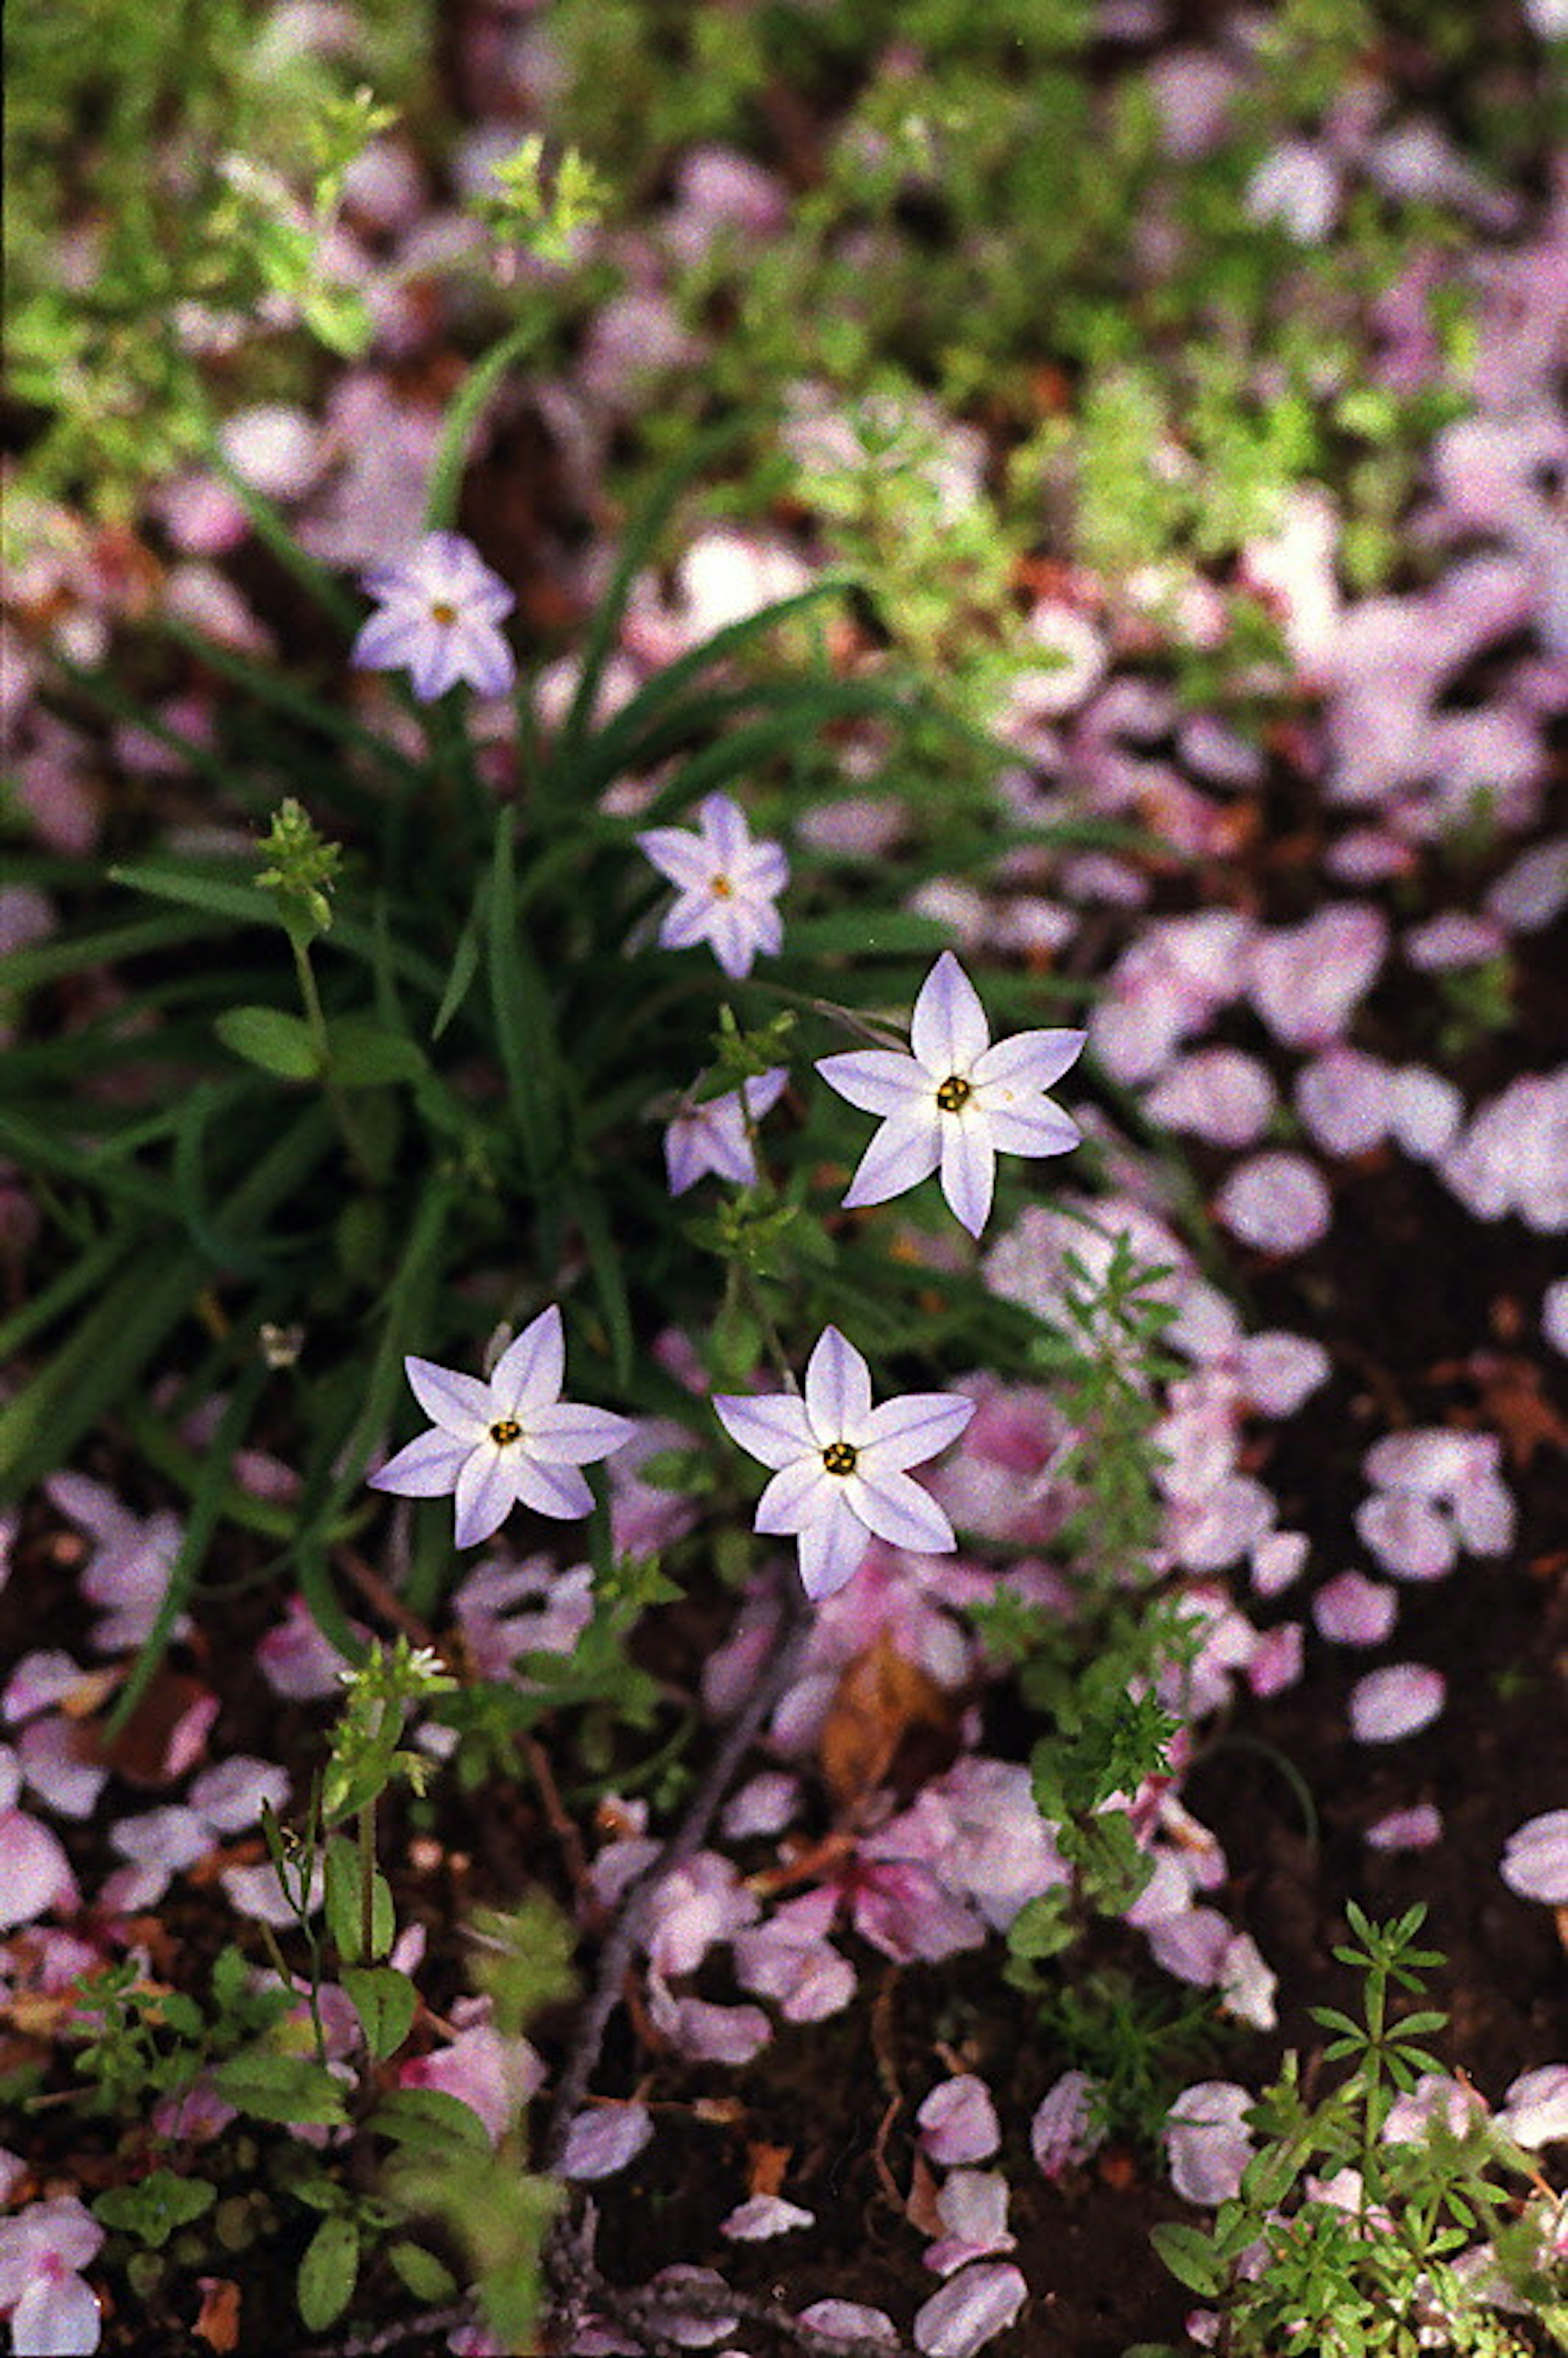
(1352, 1610)
(1407, 1535)
(1434, 2096)
(42, 2250)
(35, 1872)
(987, 1837)
(1247, 1983)
(1424, 1111)
(764, 1805)
(1207, 2144)
(255, 1891)
(1534, 2110)
(1454, 939)
(1276, 1661)
(230, 1796)
(1398, 1701)
(38, 1681)
(1306, 979)
(128, 1571)
(1528, 896)
(692, 1907)
(604, 2139)
(1166, 987)
(1535, 1860)
(958, 2121)
(1190, 1946)
(901, 1906)
(494, 2076)
(55, 1769)
(298, 1662)
(704, 2033)
(791, 1960)
(1513, 1155)
(1218, 1094)
(1276, 1560)
(1344, 1099)
(1062, 2133)
(1276, 1203)
(849, 2321)
(1277, 1372)
(1554, 1316)
(1295, 187)
(972, 2207)
(763, 2216)
(969, 2309)
(1417, 1828)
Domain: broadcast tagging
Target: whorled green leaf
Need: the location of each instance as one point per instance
(278, 1044)
(153, 2208)
(328, 2273)
(384, 2001)
(289, 2088)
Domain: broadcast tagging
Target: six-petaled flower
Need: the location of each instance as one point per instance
(956, 1101)
(508, 1440)
(440, 614)
(725, 885)
(841, 1466)
(717, 1136)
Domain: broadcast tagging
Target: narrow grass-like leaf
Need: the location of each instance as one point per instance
(522, 1014)
(637, 551)
(271, 528)
(462, 416)
(206, 1513)
(45, 962)
(616, 740)
(273, 690)
(866, 933)
(465, 960)
(586, 1206)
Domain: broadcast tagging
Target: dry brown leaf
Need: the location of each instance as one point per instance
(881, 1699)
(920, 2209)
(218, 2324)
(765, 2167)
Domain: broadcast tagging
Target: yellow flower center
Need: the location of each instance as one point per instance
(442, 611)
(722, 888)
(954, 1094)
(505, 1430)
(838, 1457)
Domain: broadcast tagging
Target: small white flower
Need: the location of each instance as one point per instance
(727, 885)
(839, 1464)
(441, 615)
(956, 1102)
(715, 1136)
(513, 1438)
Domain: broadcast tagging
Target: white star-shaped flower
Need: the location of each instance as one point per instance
(717, 1136)
(727, 885)
(840, 1466)
(956, 1102)
(513, 1438)
(440, 614)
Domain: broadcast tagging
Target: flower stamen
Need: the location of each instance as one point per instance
(722, 888)
(504, 1431)
(953, 1093)
(839, 1458)
(442, 611)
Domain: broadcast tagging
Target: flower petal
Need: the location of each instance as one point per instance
(797, 1495)
(458, 1404)
(907, 1149)
(557, 1490)
(878, 1080)
(486, 1493)
(838, 1388)
(947, 1030)
(1028, 1061)
(724, 831)
(772, 1426)
(1036, 1128)
(899, 1511)
(684, 858)
(427, 1468)
(831, 1548)
(688, 920)
(907, 1431)
(968, 1171)
(565, 1432)
(530, 1370)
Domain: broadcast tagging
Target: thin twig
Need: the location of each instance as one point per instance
(686, 1839)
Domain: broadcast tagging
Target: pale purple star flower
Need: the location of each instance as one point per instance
(839, 1465)
(440, 614)
(508, 1440)
(957, 1101)
(714, 1136)
(725, 885)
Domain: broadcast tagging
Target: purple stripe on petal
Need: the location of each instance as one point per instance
(968, 1172)
(948, 1029)
(838, 1388)
(831, 1550)
(567, 1434)
(769, 1425)
(427, 1467)
(486, 1494)
(907, 1431)
(898, 1510)
(459, 1404)
(907, 1149)
(557, 1490)
(1029, 1060)
(532, 1369)
(798, 1493)
(878, 1080)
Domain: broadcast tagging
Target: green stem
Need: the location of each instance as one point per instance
(365, 1823)
(321, 1040)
